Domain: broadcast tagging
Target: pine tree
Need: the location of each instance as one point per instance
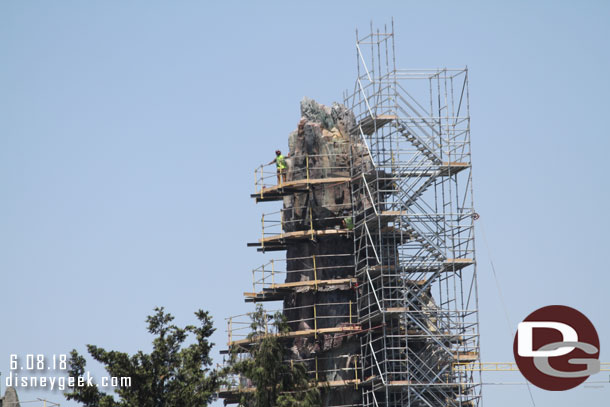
(171, 375)
(277, 382)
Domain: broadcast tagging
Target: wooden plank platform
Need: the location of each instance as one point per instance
(310, 283)
(277, 192)
(458, 263)
(394, 385)
(466, 356)
(339, 383)
(277, 292)
(452, 167)
(296, 334)
(230, 392)
(390, 214)
(399, 382)
(282, 238)
(369, 124)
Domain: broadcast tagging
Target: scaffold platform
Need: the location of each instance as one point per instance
(278, 192)
(275, 292)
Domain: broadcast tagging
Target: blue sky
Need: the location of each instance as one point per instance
(129, 132)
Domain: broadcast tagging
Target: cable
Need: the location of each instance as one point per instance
(505, 308)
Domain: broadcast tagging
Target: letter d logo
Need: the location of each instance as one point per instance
(526, 339)
(556, 348)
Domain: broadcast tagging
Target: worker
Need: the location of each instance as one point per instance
(348, 222)
(280, 163)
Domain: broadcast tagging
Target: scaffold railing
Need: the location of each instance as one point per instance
(324, 371)
(316, 167)
(310, 320)
(274, 274)
(304, 218)
(413, 230)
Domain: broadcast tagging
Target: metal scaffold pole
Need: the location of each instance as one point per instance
(413, 231)
(378, 282)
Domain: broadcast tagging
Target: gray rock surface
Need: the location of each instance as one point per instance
(320, 148)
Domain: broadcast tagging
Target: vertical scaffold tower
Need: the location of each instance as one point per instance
(377, 271)
(413, 216)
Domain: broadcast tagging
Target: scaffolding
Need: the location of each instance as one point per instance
(316, 169)
(382, 308)
(315, 279)
(419, 282)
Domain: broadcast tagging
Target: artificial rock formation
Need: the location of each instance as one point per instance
(320, 148)
(340, 323)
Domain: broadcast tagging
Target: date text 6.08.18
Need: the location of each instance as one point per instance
(39, 362)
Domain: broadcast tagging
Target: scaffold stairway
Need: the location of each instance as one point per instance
(418, 143)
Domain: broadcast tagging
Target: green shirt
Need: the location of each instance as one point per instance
(280, 161)
(349, 223)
